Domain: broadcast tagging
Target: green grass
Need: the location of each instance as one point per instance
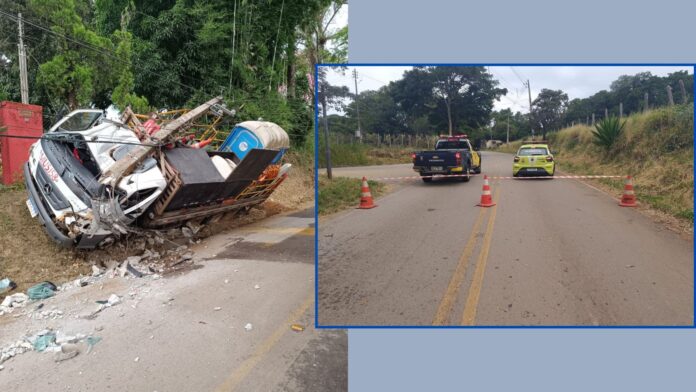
(343, 192)
(357, 154)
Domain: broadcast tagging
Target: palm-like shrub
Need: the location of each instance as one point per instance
(608, 131)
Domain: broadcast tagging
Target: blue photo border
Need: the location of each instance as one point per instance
(316, 198)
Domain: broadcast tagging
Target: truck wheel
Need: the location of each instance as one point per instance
(478, 170)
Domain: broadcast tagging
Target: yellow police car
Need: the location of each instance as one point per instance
(533, 160)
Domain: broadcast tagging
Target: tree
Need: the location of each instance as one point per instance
(457, 97)
(378, 111)
(548, 110)
(78, 72)
(122, 95)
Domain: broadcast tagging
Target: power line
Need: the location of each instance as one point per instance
(518, 75)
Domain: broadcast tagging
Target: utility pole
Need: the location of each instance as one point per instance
(358, 133)
(531, 121)
(23, 83)
(326, 135)
(507, 140)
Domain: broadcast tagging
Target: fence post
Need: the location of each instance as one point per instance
(620, 110)
(646, 106)
(669, 96)
(606, 112)
(593, 119)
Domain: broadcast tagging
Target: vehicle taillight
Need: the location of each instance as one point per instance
(516, 158)
(458, 158)
(413, 156)
(549, 159)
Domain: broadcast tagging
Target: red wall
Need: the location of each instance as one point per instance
(19, 119)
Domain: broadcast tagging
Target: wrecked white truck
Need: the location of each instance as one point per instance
(90, 178)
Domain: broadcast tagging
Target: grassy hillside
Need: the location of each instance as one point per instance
(656, 147)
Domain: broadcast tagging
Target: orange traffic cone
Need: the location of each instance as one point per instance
(366, 201)
(486, 199)
(629, 197)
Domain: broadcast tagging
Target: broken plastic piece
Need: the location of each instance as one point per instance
(42, 290)
(7, 285)
(43, 341)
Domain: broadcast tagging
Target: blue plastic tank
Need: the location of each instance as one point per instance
(240, 142)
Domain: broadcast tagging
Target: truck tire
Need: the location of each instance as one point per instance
(477, 170)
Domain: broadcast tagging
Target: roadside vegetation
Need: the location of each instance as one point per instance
(356, 154)
(656, 147)
(341, 193)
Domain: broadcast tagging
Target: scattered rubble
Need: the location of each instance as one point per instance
(12, 302)
(65, 346)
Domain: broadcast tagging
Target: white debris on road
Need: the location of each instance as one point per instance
(248, 327)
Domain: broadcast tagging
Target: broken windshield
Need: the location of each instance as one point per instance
(80, 121)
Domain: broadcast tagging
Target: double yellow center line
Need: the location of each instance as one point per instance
(444, 310)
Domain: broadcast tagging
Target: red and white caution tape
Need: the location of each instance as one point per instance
(491, 177)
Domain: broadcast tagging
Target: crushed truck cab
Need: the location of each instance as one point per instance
(90, 178)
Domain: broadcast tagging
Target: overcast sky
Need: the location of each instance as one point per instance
(577, 82)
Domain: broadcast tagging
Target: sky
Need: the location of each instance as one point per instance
(577, 82)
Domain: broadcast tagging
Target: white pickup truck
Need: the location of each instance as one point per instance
(167, 185)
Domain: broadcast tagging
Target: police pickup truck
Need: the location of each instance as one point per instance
(453, 155)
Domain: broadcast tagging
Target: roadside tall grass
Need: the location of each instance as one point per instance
(357, 154)
(656, 147)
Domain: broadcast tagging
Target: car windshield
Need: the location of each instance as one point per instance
(451, 145)
(80, 121)
(532, 151)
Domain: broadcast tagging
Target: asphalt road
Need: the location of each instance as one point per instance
(187, 331)
(551, 252)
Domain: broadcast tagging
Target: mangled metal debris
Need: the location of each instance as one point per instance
(91, 178)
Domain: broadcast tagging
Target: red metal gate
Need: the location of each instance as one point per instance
(21, 120)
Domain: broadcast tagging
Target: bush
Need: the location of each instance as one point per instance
(607, 132)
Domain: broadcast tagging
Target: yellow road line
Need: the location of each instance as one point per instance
(450, 296)
(248, 365)
(475, 289)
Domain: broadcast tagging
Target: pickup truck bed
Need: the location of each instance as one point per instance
(452, 156)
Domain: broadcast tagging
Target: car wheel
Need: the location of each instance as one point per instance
(516, 174)
(426, 179)
(478, 169)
